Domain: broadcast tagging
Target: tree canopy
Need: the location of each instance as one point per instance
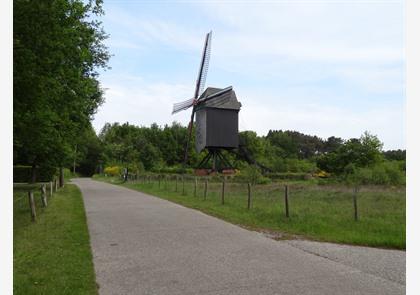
(57, 51)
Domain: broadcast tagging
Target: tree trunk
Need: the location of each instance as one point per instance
(33, 173)
(74, 160)
(61, 178)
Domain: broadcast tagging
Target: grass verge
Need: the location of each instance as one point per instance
(323, 213)
(52, 255)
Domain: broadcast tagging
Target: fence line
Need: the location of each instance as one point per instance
(216, 185)
(43, 197)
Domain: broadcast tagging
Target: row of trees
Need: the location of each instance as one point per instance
(155, 148)
(57, 52)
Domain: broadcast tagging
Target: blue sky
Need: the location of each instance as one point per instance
(319, 67)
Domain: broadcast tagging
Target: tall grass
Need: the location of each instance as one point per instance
(324, 213)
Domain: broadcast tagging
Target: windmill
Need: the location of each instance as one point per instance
(216, 111)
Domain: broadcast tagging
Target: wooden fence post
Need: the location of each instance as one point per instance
(356, 216)
(223, 191)
(205, 189)
(183, 185)
(32, 205)
(176, 183)
(249, 196)
(195, 186)
(44, 196)
(51, 189)
(159, 180)
(286, 200)
(56, 184)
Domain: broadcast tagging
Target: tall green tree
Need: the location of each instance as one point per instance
(354, 153)
(58, 48)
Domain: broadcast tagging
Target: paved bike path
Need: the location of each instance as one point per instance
(145, 245)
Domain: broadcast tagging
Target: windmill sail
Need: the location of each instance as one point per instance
(180, 106)
(201, 81)
(204, 66)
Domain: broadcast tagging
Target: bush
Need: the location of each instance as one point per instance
(385, 173)
(173, 170)
(113, 171)
(288, 176)
(253, 175)
(136, 168)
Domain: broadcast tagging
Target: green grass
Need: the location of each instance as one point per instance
(323, 213)
(52, 255)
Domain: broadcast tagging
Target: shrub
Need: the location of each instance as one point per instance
(287, 175)
(385, 173)
(173, 170)
(253, 175)
(113, 171)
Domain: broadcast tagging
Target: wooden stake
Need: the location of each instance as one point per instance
(356, 216)
(195, 186)
(32, 205)
(183, 185)
(205, 189)
(249, 196)
(44, 196)
(61, 179)
(223, 191)
(286, 200)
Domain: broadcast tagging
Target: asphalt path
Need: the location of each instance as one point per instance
(142, 244)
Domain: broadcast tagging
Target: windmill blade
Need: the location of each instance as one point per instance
(180, 106)
(201, 81)
(204, 66)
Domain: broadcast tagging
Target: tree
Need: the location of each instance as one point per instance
(332, 144)
(89, 152)
(354, 153)
(396, 155)
(57, 50)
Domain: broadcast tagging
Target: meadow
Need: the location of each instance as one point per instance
(317, 212)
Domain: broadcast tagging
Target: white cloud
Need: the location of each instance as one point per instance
(299, 45)
(153, 31)
(325, 121)
(131, 99)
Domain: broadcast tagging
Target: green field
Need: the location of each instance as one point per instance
(52, 255)
(323, 213)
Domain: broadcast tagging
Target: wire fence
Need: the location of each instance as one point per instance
(290, 199)
(30, 200)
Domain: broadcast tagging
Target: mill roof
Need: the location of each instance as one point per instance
(226, 100)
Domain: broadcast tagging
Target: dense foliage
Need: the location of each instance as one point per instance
(279, 155)
(57, 49)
